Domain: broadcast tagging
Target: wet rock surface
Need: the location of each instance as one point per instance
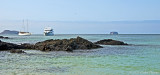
(65, 45)
(110, 42)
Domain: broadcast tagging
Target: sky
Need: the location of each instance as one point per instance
(82, 16)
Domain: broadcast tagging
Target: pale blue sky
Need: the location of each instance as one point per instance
(38, 11)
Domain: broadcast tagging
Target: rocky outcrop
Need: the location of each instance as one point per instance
(53, 45)
(16, 51)
(1, 37)
(8, 46)
(61, 45)
(65, 45)
(110, 42)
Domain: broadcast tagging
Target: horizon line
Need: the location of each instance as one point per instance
(94, 34)
(83, 20)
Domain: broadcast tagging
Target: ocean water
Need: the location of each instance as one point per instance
(140, 58)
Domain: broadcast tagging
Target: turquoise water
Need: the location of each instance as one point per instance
(140, 58)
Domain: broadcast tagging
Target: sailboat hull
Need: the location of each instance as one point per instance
(24, 33)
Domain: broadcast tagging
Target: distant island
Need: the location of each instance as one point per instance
(9, 32)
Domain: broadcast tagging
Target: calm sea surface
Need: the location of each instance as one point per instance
(140, 58)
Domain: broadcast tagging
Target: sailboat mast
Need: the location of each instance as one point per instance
(23, 25)
(27, 25)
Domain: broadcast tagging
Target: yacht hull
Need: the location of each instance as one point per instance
(48, 34)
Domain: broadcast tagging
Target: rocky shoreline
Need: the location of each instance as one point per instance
(60, 45)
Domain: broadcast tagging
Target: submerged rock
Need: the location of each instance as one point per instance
(2, 37)
(65, 44)
(16, 51)
(110, 42)
(8, 46)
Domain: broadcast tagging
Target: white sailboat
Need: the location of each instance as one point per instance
(23, 33)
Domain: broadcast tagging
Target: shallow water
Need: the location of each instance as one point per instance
(141, 58)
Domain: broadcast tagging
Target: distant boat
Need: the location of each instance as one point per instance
(48, 31)
(23, 33)
(114, 33)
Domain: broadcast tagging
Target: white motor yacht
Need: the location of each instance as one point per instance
(48, 31)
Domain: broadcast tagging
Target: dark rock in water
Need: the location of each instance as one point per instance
(1, 37)
(8, 46)
(9, 32)
(16, 51)
(53, 45)
(110, 42)
(65, 44)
